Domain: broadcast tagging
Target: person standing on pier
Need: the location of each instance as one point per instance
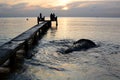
(40, 15)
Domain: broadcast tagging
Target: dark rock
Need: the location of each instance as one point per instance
(82, 44)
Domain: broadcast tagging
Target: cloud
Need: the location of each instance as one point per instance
(77, 8)
(22, 10)
(94, 9)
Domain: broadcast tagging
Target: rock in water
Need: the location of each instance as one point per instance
(82, 44)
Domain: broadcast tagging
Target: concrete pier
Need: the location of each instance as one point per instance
(23, 41)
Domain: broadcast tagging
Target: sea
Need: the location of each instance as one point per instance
(48, 63)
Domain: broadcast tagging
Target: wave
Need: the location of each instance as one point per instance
(101, 63)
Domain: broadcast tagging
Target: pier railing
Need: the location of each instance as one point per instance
(23, 41)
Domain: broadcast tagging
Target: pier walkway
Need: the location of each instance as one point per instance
(23, 41)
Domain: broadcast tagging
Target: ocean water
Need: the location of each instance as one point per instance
(12, 27)
(48, 63)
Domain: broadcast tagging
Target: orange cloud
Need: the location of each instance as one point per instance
(52, 4)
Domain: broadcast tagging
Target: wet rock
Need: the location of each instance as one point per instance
(82, 44)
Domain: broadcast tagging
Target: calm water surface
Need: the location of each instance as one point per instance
(102, 63)
(11, 27)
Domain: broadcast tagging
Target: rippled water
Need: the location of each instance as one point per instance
(101, 63)
(11, 27)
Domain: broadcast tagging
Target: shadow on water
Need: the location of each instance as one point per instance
(45, 66)
(17, 68)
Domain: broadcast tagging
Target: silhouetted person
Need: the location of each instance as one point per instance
(40, 15)
(38, 19)
(51, 16)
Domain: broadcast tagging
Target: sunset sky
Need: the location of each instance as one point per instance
(69, 8)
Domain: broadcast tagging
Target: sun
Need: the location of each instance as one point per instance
(62, 2)
(65, 8)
